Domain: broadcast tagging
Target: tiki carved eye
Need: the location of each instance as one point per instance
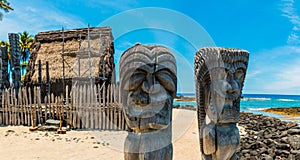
(166, 80)
(239, 75)
(136, 80)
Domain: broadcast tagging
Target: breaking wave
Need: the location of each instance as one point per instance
(256, 99)
(286, 100)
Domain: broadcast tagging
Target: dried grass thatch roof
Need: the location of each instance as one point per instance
(48, 47)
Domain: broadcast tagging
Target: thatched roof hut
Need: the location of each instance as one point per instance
(82, 58)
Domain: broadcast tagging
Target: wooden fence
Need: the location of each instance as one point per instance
(85, 107)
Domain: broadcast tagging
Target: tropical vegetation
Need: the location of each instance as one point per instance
(26, 41)
(4, 5)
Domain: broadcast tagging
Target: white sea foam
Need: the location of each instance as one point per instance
(286, 100)
(256, 99)
(256, 109)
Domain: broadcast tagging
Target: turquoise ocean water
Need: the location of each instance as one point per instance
(254, 103)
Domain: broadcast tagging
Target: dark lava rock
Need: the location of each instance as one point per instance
(268, 138)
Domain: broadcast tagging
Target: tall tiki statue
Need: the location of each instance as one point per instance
(148, 85)
(219, 78)
(15, 52)
(5, 75)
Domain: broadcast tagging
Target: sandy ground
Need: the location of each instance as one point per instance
(17, 142)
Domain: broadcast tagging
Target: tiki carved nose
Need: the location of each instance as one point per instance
(150, 85)
(231, 85)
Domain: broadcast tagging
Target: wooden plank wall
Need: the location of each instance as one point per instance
(85, 107)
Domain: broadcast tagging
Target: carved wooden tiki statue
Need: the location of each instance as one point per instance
(219, 78)
(148, 85)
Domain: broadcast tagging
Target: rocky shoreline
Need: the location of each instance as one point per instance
(268, 138)
(295, 111)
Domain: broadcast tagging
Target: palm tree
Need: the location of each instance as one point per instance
(4, 5)
(26, 41)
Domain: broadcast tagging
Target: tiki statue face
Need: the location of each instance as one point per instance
(148, 86)
(221, 75)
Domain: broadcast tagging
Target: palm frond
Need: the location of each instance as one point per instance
(5, 6)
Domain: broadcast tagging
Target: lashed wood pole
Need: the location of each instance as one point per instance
(102, 56)
(89, 52)
(48, 89)
(48, 79)
(59, 110)
(40, 74)
(63, 59)
(32, 108)
(78, 58)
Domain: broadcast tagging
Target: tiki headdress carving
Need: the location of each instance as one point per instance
(219, 78)
(148, 85)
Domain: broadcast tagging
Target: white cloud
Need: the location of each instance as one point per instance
(295, 28)
(253, 74)
(293, 39)
(35, 17)
(288, 10)
(282, 70)
(286, 80)
(274, 71)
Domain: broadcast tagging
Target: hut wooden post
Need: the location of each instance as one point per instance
(107, 115)
(59, 105)
(47, 79)
(40, 73)
(52, 106)
(74, 106)
(68, 106)
(32, 108)
(88, 106)
(24, 105)
(83, 106)
(39, 106)
(63, 60)
(111, 108)
(16, 106)
(80, 108)
(96, 107)
(3, 107)
(10, 104)
(6, 106)
(20, 104)
(100, 107)
(47, 102)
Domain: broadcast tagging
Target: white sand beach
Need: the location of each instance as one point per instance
(17, 142)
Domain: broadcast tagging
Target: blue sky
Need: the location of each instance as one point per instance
(268, 29)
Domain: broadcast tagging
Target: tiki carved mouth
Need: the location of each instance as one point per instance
(147, 105)
(229, 112)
